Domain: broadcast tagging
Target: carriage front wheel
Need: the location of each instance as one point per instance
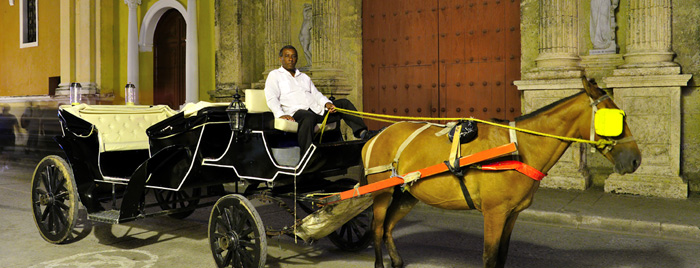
(236, 233)
(54, 199)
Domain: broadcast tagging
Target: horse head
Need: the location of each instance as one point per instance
(623, 152)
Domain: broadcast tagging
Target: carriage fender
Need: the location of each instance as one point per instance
(137, 183)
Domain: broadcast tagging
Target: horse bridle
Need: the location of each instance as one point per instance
(604, 148)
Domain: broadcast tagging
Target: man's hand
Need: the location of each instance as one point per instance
(330, 107)
(287, 117)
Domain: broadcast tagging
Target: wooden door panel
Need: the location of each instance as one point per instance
(446, 58)
(169, 60)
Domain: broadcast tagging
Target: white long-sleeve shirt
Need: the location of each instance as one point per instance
(287, 94)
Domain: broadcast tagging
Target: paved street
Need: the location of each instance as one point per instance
(427, 238)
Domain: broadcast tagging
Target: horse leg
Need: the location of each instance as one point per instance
(382, 199)
(494, 227)
(401, 204)
(505, 239)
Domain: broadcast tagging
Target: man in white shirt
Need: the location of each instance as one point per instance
(291, 95)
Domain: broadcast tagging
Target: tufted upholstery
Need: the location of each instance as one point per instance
(256, 102)
(121, 127)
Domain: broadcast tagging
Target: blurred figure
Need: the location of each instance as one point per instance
(31, 121)
(8, 126)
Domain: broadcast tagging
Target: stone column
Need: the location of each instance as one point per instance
(325, 48)
(191, 54)
(558, 41)
(556, 76)
(132, 47)
(278, 34)
(649, 38)
(648, 88)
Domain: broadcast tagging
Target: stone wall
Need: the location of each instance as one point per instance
(686, 44)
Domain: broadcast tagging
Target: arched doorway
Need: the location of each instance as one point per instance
(169, 48)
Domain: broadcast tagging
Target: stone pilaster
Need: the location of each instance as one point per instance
(326, 72)
(648, 88)
(556, 76)
(79, 65)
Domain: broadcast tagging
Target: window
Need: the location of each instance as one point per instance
(28, 26)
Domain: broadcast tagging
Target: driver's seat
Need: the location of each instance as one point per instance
(256, 102)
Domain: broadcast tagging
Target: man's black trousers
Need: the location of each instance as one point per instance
(307, 120)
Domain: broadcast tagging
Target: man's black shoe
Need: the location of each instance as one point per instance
(368, 134)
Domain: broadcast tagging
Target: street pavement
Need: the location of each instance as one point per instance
(586, 210)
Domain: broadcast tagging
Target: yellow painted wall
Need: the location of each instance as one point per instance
(119, 15)
(26, 71)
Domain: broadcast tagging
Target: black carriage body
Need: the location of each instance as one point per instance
(194, 151)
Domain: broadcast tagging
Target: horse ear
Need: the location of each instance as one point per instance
(591, 88)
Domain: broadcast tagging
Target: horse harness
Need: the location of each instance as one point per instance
(453, 164)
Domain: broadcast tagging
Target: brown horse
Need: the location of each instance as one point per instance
(499, 195)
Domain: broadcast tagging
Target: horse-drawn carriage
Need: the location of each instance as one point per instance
(118, 154)
(204, 146)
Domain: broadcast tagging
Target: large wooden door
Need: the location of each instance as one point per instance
(441, 58)
(169, 60)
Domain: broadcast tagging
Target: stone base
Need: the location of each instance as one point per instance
(575, 181)
(647, 185)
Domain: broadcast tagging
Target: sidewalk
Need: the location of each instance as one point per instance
(594, 209)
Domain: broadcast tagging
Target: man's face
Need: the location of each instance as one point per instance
(289, 59)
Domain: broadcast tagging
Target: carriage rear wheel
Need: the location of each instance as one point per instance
(54, 199)
(236, 233)
(186, 198)
(356, 234)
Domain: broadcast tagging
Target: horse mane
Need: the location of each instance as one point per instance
(547, 107)
(538, 111)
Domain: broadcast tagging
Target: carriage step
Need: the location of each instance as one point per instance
(107, 216)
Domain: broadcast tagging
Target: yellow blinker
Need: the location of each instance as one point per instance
(609, 122)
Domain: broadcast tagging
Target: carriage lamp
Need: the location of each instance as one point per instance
(236, 113)
(130, 94)
(75, 93)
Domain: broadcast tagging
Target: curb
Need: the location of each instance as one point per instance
(591, 222)
(648, 228)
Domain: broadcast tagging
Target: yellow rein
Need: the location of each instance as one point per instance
(385, 118)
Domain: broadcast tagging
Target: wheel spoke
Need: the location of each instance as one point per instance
(228, 257)
(248, 243)
(39, 190)
(169, 197)
(62, 205)
(61, 217)
(45, 177)
(60, 180)
(246, 258)
(246, 232)
(184, 195)
(237, 259)
(227, 217)
(45, 214)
